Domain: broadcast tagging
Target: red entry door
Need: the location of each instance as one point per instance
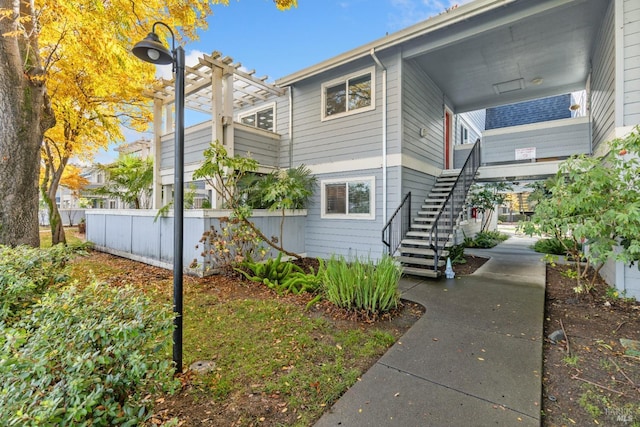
(447, 139)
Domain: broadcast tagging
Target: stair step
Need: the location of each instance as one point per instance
(423, 214)
(422, 272)
(421, 237)
(415, 242)
(416, 251)
(425, 226)
(418, 260)
(421, 251)
(432, 204)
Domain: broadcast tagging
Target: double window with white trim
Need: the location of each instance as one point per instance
(352, 198)
(349, 95)
(261, 118)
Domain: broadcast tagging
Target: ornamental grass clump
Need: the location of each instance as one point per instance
(362, 285)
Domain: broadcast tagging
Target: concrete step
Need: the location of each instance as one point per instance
(416, 251)
(426, 215)
(418, 261)
(417, 241)
(422, 272)
(431, 204)
(450, 172)
(422, 226)
(420, 251)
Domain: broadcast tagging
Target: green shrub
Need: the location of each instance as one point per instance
(485, 239)
(26, 273)
(552, 246)
(456, 254)
(90, 356)
(361, 284)
(282, 276)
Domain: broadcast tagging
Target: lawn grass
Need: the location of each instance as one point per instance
(262, 345)
(70, 232)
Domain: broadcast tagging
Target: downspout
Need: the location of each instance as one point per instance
(384, 134)
(290, 127)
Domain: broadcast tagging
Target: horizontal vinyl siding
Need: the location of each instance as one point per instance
(422, 106)
(473, 121)
(554, 141)
(461, 154)
(260, 146)
(420, 184)
(350, 137)
(196, 139)
(351, 237)
(282, 128)
(631, 62)
(603, 81)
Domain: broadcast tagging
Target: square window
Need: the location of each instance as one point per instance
(349, 95)
(348, 199)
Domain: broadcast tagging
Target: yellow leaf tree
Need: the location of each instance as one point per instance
(67, 83)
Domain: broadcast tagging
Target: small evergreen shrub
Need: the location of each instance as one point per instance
(485, 239)
(456, 254)
(552, 246)
(361, 284)
(90, 356)
(26, 273)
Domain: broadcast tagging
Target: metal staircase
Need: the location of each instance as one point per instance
(421, 243)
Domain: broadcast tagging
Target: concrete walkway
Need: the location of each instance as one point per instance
(473, 359)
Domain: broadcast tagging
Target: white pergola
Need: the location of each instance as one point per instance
(216, 86)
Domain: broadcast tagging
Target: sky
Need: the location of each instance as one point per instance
(278, 43)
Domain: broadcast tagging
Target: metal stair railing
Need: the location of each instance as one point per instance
(398, 225)
(445, 220)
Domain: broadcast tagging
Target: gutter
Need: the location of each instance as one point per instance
(384, 134)
(290, 127)
(462, 13)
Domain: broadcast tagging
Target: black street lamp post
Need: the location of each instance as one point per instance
(152, 50)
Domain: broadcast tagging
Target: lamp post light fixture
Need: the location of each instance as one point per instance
(152, 50)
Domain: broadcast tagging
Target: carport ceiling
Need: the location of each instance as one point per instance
(525, 50)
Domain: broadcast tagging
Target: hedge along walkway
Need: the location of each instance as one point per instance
(476, 354)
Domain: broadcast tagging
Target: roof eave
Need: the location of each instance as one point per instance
(434, 23)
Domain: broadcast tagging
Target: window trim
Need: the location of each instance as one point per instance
(255, 110)
(350, 216)
(464, 134)
(323, 94)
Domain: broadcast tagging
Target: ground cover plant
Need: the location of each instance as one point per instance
(76, 354)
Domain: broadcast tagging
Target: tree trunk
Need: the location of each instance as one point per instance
(48, 189)
(24, 116)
